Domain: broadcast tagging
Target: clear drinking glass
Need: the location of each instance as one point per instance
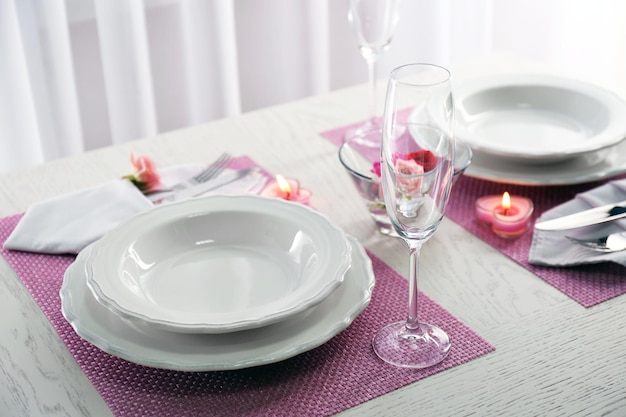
(417, 170)
(360, 159)
(374, 22)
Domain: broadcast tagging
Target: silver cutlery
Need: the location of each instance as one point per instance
(597, 215)
(615, 242)
(211, 171)
(209, 185)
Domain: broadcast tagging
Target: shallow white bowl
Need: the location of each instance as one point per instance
(538, 118)
(218, 264)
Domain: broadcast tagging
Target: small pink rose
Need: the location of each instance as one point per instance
(409, 167)
(146, 177)
(376, 168)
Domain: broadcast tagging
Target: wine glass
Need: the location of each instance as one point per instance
(374, 22)
(417, 170)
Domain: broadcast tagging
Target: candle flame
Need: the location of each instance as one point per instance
(283, 184)
(506, 201)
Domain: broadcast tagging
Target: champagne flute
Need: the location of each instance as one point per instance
(417, 169)
(374, 22)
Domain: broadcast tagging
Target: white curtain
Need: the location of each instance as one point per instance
(76, 75)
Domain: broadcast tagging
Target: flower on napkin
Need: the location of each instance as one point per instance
(146, 178)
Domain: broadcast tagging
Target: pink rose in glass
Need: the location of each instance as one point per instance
(146, 177)
(422, 157)
(376, 168)
(409, 167)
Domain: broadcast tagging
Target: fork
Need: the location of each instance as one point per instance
(615, 242)
(212, 171)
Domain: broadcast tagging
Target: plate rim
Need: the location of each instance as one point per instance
(559, 176)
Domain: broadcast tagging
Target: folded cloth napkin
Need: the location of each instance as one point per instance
(70, 222)
(552, 248)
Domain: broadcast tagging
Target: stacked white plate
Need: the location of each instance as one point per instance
(541, 129)
(217, 283)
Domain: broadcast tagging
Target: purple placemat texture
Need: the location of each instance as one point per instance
(338, 375)
(588, 285)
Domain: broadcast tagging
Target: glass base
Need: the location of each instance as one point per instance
(387, 231)
(411, 348)
(366, 134)
(382, 222)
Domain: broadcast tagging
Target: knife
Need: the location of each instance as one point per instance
(196, 190)
(596, 215)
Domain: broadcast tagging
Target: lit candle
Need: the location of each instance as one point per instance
(507, 215)
(287, 189)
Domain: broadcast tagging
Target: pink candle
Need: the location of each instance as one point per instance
(508, 216)
(287, 189)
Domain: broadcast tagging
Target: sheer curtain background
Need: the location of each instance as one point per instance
(76, 75)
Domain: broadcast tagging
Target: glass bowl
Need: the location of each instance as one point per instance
(358, 155)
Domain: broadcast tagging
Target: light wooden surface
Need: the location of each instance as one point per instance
(553, 357)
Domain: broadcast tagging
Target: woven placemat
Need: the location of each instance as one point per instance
(588, 284)
(338, 375)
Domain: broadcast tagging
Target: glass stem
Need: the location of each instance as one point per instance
(371, 69)
(415, 246)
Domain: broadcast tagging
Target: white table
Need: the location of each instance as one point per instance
(553, 357)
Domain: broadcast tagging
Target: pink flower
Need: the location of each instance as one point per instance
(376, 168)
(422, 157)
(146, 177)
(409, 167)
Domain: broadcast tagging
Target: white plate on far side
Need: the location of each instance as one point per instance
(149, 346)
(593, 166)
(218, 264)
(538, 118)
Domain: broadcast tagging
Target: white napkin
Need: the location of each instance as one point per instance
(552, 248)
(68, 223)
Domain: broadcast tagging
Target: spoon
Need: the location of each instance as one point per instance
(615, 242)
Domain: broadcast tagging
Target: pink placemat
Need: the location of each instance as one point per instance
(338, 375)
(588, 285)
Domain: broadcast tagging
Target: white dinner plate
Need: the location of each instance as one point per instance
(538, 118)
(593, 166)
(149, 346)
(218, 264)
